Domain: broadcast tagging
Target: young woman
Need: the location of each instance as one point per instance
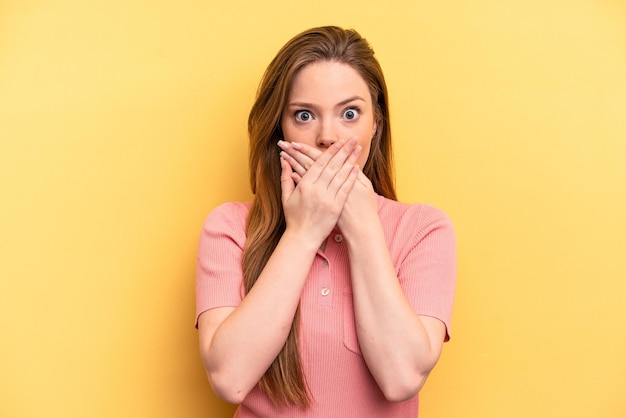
(324, 296)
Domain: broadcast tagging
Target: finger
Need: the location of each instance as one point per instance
(303, 160)
(307, 151)
(315, 170)
(295, 165)
(363, 178)
(311, 152)
(296, 177)
(332, 162)
(345, 172)
(286, 181)
(346, 187)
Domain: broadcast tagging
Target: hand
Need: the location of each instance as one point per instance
(313, 199)
(360, 206)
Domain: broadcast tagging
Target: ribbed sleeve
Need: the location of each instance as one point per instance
(427, 265)
(218, 270)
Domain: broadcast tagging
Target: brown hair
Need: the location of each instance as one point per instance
(284, 381)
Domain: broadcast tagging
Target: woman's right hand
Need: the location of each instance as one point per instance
(312, 206)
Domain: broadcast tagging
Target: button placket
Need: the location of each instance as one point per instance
(324, 295)
(325, 283)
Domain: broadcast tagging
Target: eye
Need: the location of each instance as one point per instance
(303, 116)
(351, 114)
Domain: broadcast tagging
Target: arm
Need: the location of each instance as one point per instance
(238, 344)
(399, 346)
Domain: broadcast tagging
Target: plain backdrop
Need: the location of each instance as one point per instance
(123, 123)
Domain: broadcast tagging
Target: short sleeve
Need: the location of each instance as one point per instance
(427, 271)
(218, 270)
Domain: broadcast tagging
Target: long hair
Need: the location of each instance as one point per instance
(284, 381)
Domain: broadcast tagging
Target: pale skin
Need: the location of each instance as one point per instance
(327, 124)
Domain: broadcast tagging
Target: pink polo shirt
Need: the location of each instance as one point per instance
(422, 245)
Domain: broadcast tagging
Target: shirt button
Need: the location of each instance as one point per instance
(325, 263)
(338, 238)
(325, 291)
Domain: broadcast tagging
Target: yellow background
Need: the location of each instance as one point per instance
(122, 124)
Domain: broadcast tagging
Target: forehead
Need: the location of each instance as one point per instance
(326, 79)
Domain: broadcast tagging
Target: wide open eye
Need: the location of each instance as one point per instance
(351, 114)
(303, 116)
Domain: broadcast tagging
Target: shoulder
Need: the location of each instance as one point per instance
(229, 213)
(412, 216)
(227, 220)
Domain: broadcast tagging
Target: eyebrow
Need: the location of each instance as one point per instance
(313, 106)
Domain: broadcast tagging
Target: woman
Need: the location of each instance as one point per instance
(324, 297)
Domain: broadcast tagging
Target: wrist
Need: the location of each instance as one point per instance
(358, 229)
(301, 239)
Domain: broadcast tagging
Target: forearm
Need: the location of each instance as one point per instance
(394, 342)
(249, 339)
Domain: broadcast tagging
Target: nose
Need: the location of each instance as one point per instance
(326, 135)
(325, 142)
